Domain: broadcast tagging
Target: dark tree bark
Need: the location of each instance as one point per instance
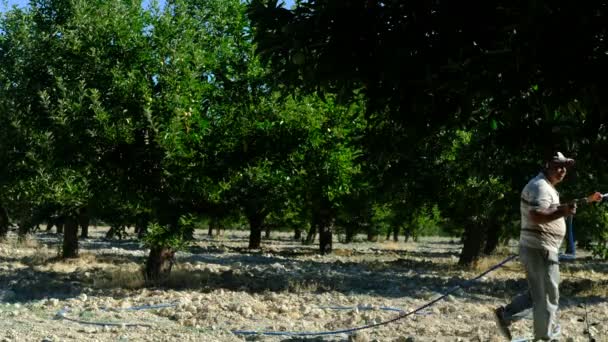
(117, 231)
(111, 232)
(219, 228)
(3, 224)
(211, 227)
(23, 229)
(372, 236)
(50, 223)
(493, 238)
(84, 222)
(141, 226)
(474, 242)
(324, 221)
(60, 223)
(70, 238)
(256, 220)
(158, 265)
(215, 224)
(311, 235)
(395, 231)
(326, 238)
(351, 231)
(349, 236)
(297, 234)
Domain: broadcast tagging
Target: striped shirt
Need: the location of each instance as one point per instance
(539, 193)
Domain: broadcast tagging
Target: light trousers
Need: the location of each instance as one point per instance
(542, 297)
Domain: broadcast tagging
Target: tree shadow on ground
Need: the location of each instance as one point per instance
(585, 264)
(413, 274)
(409, 278)
(26, 285)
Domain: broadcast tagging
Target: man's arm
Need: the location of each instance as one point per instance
(544, 215)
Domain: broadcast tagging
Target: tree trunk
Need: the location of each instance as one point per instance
(324, 221)
(211, 226)
(22, 230)
(372, 236)
(493, 239)
(395, 231)
(50, 223)
(297, 234)
(70, 238)
(3, 224)
(215, 224)
(111, 233)
(158, 265)
(267, 230)
(116, 231)
(325, 238)
(256, 221)
(474, 241)
(311, 235)
(141, 227)
(407, 232)
(349, 235)
(84, 221)
(60, 222)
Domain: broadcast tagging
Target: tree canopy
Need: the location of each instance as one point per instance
(334, 116)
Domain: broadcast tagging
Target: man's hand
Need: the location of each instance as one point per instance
(595, 197)
(567, 209)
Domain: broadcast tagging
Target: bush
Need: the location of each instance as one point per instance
(426, 221)
(176, 238)
(591, 229)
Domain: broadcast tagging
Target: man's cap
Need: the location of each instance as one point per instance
(559, 158)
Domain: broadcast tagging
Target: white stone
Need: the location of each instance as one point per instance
(247, 311)
(359, 336)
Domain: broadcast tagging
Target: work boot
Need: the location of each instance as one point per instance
(502, 323)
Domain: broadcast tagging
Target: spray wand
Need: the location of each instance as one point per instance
(596, 197)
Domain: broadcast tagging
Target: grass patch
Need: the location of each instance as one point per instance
(132, 277)
(24, 242)
(183, 277)
(343, 252)
(305, 286)
(485, 263)
(42, 255)
(391, 245)
(126, 277)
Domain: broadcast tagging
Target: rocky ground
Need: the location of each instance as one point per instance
(219, 288)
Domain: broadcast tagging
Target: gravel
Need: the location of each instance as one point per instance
(218, 288)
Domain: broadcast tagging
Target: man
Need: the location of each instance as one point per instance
(542, 230)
